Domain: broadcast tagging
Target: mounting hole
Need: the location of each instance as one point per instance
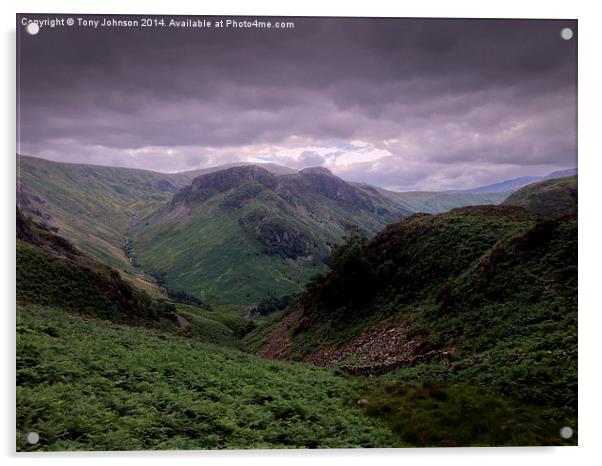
(32, 29)
(566, 33)
(566, 432)
(33, 437)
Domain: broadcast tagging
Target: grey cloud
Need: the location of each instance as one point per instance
(212, 96)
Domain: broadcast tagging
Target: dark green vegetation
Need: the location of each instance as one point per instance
(480, 295)
(87, 384)
(407, 263)
(270, 305)
(239, 235)
(51, 271)
(550, 198)
(433, 415)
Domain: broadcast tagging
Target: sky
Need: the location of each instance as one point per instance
(426, 104)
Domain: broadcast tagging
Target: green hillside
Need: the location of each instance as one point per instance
(242, 234)
(550, 198)
(51, 271)
(92, 206)
(481, 295)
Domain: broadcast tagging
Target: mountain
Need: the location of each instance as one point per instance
(509, 186)
(434, 202)
(95, 206)
(480, 295)
(200, 223)
(241, 234)
(553, 198)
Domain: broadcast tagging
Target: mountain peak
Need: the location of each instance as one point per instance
(226, 178)
(204, 186)
(316, 171)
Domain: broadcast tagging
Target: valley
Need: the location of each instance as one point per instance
(150, 225)
(254, 307)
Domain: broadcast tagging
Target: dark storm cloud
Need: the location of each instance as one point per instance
(396, 102)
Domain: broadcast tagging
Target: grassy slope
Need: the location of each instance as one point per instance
(220, 325)
(490, 285)
(212, 258)
(513, 317)
(426, 251)
(50, 271)
(88, 384)
(554, 197)
(93, 206)
(428, 414)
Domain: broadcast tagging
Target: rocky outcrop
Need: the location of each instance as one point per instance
(387, 344)
(277, 235)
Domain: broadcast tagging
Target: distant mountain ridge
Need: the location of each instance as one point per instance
(516, 183)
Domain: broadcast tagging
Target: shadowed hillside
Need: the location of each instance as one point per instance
(483, 295)
(52, 272)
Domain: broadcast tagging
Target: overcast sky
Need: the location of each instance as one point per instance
(399, 103)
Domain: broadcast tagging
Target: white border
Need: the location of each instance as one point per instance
(590, 228)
